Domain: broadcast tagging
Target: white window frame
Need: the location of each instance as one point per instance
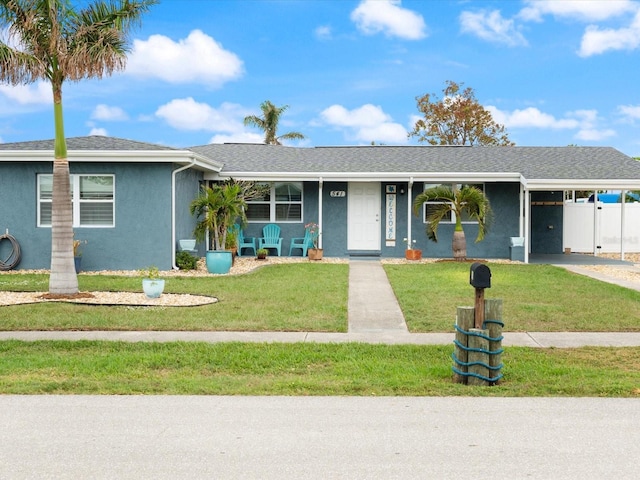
(273, 203)
(76, 200)
(427, 186)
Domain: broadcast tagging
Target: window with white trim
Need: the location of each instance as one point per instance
(450, 217)
(282, 204)
(92, 197)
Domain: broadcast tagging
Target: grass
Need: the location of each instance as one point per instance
(300, 297)
(536, 298)
(91, 367)
(313, 297)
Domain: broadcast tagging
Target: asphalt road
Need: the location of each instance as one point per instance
(175, 437)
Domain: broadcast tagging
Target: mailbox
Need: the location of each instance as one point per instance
(480, 275)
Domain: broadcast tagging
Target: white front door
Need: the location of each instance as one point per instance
(364, 216)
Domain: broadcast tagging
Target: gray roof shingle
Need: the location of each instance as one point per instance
(94, 142)
(532, 162)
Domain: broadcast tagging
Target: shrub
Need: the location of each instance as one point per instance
(186, 261)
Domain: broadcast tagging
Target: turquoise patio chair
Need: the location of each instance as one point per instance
(302, 243)
(244, 242)
(271, 238)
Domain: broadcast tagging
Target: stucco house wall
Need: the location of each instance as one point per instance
(142, 221)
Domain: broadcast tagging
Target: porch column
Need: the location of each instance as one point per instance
(320, 182)
(527, 224)
(521, 213)
(409, 197)
(596, 229)
(622, 222)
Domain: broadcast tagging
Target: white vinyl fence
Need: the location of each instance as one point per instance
(580, 221)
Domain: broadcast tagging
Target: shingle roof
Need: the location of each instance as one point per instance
(94, 142)
(540, 163)
(532, 162)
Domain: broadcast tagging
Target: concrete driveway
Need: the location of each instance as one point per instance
(171, 437)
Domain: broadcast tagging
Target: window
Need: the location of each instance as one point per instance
(92, 199)
(450, 217)
(283, 203)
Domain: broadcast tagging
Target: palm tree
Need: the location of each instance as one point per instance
(269, 124)
(54, 42)
(466, 200)
(217, 207)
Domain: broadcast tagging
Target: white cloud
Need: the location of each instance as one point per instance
(367, 124)
(530, 118)
(187, 114)
(241, 137)
(585, 122)
(491, 26)
(99, 131)
(582, 10)
(109, 114)
(631, 112)
(323, 32)
(388, 17)
(196, 59)
(593, 135)
(32, 94)
(596, 40)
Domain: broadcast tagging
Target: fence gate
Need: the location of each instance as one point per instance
(588, 231)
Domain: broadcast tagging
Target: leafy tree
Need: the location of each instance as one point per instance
(52, 40)
(467, 200)
(269, 124)
(457, 119)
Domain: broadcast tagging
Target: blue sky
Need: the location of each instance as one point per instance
(553, 72)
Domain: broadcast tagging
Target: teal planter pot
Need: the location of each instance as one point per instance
(219, 261)
(152, 288)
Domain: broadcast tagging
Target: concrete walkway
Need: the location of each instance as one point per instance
(373, 307)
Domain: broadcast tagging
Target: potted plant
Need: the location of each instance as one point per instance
(261, 253)
(412, 253)
(77, 253)
(217, 208)
(152, 284)
(314, 253)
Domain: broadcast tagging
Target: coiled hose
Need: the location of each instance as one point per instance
(14, 256)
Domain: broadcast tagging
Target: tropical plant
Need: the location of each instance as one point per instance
(217, 208)
(152, 273)
(269, 124)
(457, 119)
(52, 40)
(314, 232)
(467, 200)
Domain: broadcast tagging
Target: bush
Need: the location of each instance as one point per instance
(186, 261)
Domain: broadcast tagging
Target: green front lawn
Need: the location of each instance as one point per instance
(313, 297)
(536, 298)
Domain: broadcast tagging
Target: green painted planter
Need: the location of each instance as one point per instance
(219, 261)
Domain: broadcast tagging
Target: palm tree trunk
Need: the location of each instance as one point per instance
(459, 246)
(63, 279)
